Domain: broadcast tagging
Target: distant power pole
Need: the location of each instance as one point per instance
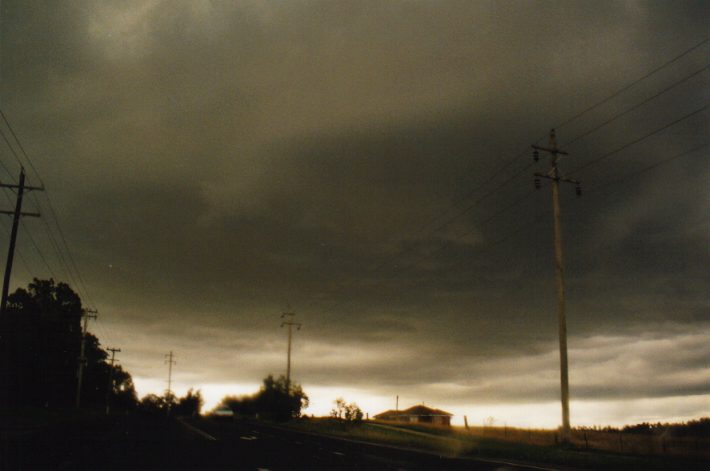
(554, 175)
(170, 362)
(110, 377)
(17, 213)
(86, 314)
(290, 324)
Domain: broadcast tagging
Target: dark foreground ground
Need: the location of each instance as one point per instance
(134, 442)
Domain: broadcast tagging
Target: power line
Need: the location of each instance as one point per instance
(520, 228)
(12, 151)
(459, 214)
(69, 254)
(515, 203)
(19, 144)
(643, 170)
(53, 242)
(519, 200)
(22, 224)
(290, 323)
(510, 206)
(507, 163)
(636, 141)
(510, 161)
(109, 389)
(39, 251)
(72, 263)
(19, 251)
(495, 242)
(637, 106)
(629, 86)
(32, 240)
(556, 178)
(103, 331)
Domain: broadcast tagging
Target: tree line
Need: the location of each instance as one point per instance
(278, 399)
(40, 350)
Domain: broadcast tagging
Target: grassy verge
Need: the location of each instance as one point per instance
(451, 442)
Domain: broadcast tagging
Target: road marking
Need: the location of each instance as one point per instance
(338, 453)
(408, 449)
(197, 430)
(248, 437)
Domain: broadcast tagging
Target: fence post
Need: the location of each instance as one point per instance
(621, 443)
(586, 442)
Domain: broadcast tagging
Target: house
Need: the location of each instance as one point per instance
(420, 414)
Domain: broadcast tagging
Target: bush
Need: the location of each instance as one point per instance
(349, 412)
(276, 400)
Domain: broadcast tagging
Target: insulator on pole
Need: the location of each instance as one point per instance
(536, 155)
(537, 183)
(578, 189)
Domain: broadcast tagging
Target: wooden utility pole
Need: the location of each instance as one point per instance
(110, 377)
(290, 324)
(17, 213)
(169, 395)
(554, 175)
(170, 362)
(86, 314)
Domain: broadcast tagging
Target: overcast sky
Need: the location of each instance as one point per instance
(213, 163)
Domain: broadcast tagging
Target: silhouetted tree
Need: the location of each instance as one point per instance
(123, 395)
(276, 400)
(242, 406)
(349, 412)
(190, 404)
(40, 339)
(153, 404)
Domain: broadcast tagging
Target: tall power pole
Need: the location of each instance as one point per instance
(109, 390)
(170, 362)
(290, 323)
(554, 175)
(17, 213)
(86, 314)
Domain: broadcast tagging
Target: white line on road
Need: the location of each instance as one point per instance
(197, 430)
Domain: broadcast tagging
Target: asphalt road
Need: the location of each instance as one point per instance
(145, 443)
(262, 447)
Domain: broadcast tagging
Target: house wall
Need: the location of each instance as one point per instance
(441, 420)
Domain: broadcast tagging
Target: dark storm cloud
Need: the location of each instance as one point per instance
(212, 162)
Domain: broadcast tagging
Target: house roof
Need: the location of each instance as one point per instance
(420, 409)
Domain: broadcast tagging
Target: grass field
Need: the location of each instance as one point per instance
(600, 450)
(610, 441)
